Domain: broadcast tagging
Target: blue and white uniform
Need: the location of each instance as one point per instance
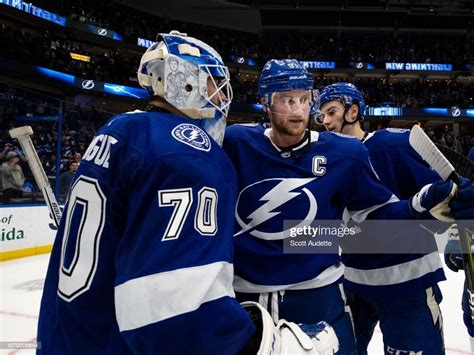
(304, 184)
(142, 262)
(399, 290)
(404, 173)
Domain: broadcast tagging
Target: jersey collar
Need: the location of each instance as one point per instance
(314, 138)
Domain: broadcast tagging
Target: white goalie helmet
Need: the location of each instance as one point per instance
(191, 76)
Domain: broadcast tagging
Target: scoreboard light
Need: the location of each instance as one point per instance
(81, 57)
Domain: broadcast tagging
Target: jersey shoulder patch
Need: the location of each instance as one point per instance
(192, 136)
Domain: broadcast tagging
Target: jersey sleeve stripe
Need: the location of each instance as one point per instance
(416, 201)
(327, 277)
(395, 274)
(360, 216)
(154, 298)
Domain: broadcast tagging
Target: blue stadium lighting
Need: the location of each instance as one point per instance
(436, 111)
(318, 65)
(470, 113)
(142, 42)
(243, 60)
(419, 66)
(117, 37)
(370, 66)
(257, 107)
(125, 91)
(385, 111)
(35, 11)
(251, 62)
(66, 78)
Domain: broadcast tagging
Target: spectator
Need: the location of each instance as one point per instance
(12, 177)
(66, 178)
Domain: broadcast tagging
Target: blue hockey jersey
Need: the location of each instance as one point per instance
(142, 261)
(329, 180)
(390, 276)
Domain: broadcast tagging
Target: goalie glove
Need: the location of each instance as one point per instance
(434, 198)
(266, 339)
(287, 337)
(315, 339)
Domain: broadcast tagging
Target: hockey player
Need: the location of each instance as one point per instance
(453, 259)
(399, 290)
(142, 262)
(287, 173)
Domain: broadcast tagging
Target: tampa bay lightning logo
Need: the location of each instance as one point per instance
(264, 207)
(102, 32)
(192, 135)
(88, 84)
(455, 111)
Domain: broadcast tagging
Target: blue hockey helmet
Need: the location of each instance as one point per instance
(345, 92)
(283, 75)
(178, 68)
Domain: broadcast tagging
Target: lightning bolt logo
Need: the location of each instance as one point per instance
(276, 197)
(193, 135)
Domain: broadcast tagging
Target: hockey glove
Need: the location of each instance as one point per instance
(452, 250)
(462, 205)
(434, 198)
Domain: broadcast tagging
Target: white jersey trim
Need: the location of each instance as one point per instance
(154, 298)
(314, 138)
(327, 277)
(370, 135)
(392, 275)
(360, 216)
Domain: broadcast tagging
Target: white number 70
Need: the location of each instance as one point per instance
(205, 220)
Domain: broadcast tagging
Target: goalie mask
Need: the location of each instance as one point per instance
(191, 76)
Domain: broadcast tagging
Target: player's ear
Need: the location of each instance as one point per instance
(353, 113)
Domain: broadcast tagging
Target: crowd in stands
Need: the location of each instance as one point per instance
(52, 49)
(299, 45)
(79, 126)
(380, 91)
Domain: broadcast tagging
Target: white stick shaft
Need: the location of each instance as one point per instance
(423, 145)
(34, 161)
(40, 176)
(52, 204)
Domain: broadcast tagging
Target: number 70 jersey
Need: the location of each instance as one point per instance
(143, 254)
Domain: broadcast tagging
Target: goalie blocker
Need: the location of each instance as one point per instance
(287, 337)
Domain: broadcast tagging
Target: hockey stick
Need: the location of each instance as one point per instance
(23, 136)
(462, 164)
(438, 162)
